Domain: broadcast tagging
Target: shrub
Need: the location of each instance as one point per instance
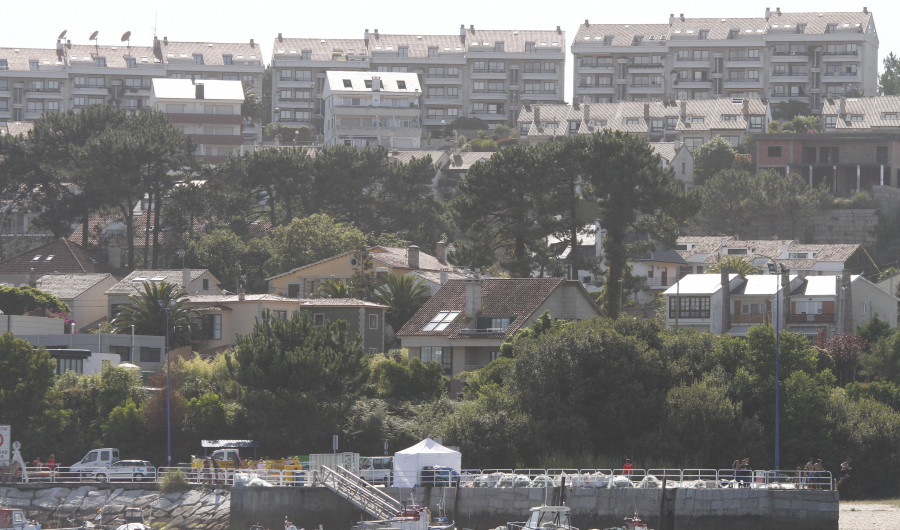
(173, 482)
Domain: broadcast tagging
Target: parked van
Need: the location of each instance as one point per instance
(94, 461)
(376, 469)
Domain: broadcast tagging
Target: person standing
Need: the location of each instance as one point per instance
(628, 468)
(808, 471)
(843, 485)
(818, 474)
(51, 462)
(746, 473)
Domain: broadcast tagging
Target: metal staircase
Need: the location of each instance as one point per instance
(360, 493)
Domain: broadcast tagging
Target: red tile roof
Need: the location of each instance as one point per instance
(60, 256)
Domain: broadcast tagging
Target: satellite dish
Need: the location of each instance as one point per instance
(126, 36)
(62, 35)
(93, 35)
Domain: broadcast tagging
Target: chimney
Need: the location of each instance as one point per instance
(462, 33)
(865, 10)
(185, 278)
(843, 109)
(537, 115)
(671, 18)
(165, 41)
(115, 254)
(472, 28)
(746, 106)
(69, 43)
(473, 296)
(683, 105)
(587, 114)
(768, 13)
(198, 90)
(366, 36)
(376, 33)
(586, 23)
(440, 251)
(681, 16)
(413, 257)
(558, 30)
(846, 294)
(778, 11)
(280, 38)
(647, 113)
(726, 302)
(252, 44)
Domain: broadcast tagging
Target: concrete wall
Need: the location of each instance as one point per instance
(694, 509)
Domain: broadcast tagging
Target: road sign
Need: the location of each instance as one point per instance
(5, 441)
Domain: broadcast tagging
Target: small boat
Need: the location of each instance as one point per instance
(631, 523)
(546, 518)
(410, 518)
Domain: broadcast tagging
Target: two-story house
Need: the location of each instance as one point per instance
(193, 281)
(463, 325)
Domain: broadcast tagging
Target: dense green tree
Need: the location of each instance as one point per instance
(347, 182)
(222, 252)
(873, 330)
(311, 239)
(788, 110)
(406, 379)
(152, 307)
(634, 194)
(692, 413)
(124, 428)
(503, 200)
(298, 379)
(712, 157)
(26, 375)
(22, 299)
(797, 124)
(889, 80)
(785, 197)
(407, 205)
(882, 360)
(729, 200)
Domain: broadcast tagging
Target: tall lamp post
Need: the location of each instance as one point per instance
(777, 269)
(168, 390)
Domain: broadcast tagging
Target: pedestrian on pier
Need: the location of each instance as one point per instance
(628, 468)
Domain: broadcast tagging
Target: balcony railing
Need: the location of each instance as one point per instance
(812, 318)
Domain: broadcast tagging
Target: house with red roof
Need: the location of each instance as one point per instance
(60, 256)
(463, 325)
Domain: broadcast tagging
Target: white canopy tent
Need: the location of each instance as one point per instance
(410, 461)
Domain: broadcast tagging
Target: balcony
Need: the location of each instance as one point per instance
(597, 69)
(806, 318)
(757, 318)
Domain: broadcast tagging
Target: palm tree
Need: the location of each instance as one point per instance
(332, 288)
(147, 313)
(403, 295)
(734, 265)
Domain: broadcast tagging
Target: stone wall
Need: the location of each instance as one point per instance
(61, 506)
(480, 508)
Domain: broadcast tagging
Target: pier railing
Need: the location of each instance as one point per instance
(477, 478)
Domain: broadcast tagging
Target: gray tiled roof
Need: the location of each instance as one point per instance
(711, 245)
(872, 111)
(130, 284)
(69, 286)
(320, 49)
(182, 53)
(622, 34)
(60, 256)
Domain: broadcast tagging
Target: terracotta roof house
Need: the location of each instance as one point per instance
(303, 282)
(463, 325)
(84, 293)
(223, 317)
(60, 256)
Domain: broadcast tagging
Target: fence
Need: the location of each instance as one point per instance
(481, 478)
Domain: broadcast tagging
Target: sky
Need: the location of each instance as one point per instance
(37, 25)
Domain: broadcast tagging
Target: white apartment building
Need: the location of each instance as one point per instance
(486, 74)
(368, 109)
(72, 76)
(209, 111)
(691, 123)
(781, 56)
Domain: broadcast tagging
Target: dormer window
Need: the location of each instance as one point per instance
(493, 324)
(198, 58)
(227, 59)
(637, 40)
(608, 40)
(703, 34)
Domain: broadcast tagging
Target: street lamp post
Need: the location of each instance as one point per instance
(168, 390)
(777, 269)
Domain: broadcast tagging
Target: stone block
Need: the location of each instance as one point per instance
(58, 492)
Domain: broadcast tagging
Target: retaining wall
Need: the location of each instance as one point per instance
(480, 508)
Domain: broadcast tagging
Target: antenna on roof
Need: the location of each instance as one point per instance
(62, 35)
(126, 37)
(60, 48)
(93, 37)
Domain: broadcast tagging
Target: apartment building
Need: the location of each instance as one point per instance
(209, 111)
(34, 81)
(486, 74)
(691, 123)
(780, 56)
(368, 109)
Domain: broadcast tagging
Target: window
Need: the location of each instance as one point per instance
(693, 143)
(373, 321)
(478, 66)
(124, 352)
(403, 51)
(529, 47)
(212, 327)
(319, 319)
(441, 321)
(671, 123)
(701, 55)
(150, 355)
(756, 122)
(286, 74)
(496, 66)
(499, 46)
(227, 59)
(440, 354)
(774, 151)
(632, 121)
(432, 51)
(35, 106)
(33, 64)
(303, 75)
(4, 64)
(198, 58)
(689, 307)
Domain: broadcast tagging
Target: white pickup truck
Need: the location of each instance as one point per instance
(95, 461)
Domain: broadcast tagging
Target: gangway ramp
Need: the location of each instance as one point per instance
(360, 493)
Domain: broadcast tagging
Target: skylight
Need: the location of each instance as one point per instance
(441, 321)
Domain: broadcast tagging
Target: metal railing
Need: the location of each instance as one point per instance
(344, 480)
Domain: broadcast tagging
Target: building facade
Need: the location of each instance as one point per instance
(780, 56)
(367, 109)
(34, 81)
(486, 74)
